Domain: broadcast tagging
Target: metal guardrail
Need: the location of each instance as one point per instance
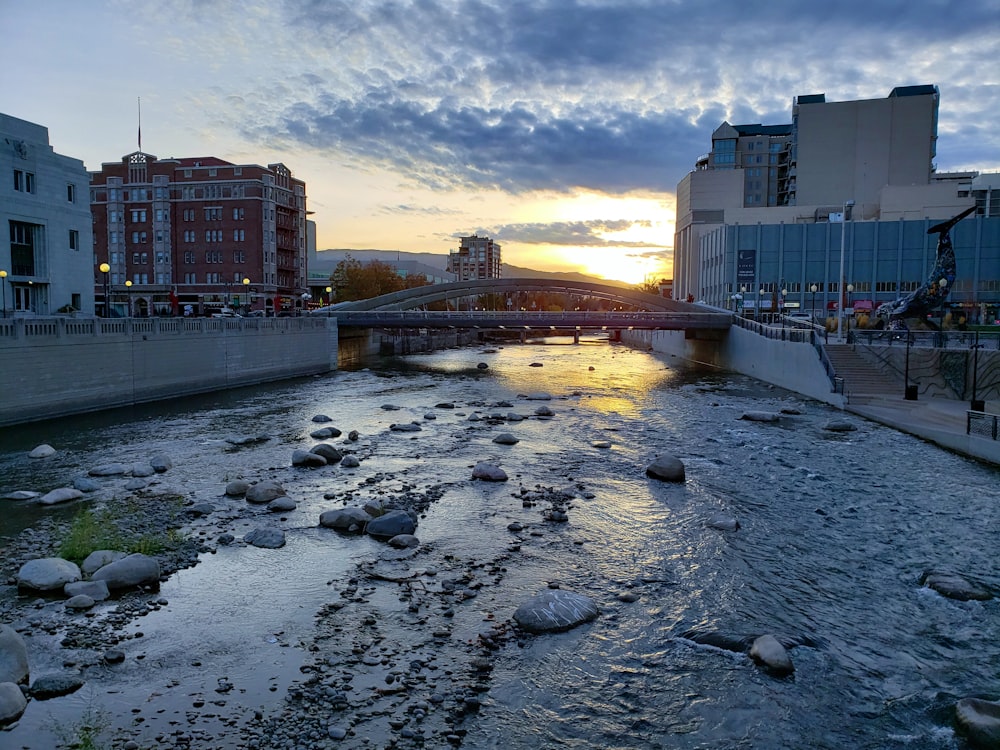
(34, 328)
(950, 339)
(981, 424)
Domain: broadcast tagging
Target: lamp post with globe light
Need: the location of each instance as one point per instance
(105, 269)
(814, 289)
(841, 284)
(128, 298)
(246, 287)
(3, 289)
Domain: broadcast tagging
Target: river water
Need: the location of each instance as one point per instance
(836, 531)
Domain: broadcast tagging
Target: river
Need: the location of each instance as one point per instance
(836, 531)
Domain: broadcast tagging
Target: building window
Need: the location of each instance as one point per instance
(24, 182)
(239, 235)
(22, 248)
(238, 214)
(212, 172)
(189, 257)
(71, 192)
(74, 239)
(139, 217)
(135, 259)
(113, 238)
(143, 258)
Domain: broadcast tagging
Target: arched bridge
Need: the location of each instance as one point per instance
(402, 309)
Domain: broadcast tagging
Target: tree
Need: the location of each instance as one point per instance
(354, 280)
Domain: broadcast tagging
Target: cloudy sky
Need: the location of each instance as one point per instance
(558, 127)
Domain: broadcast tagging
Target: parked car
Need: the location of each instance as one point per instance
(256, 314)
(799, 315)
(226, 313)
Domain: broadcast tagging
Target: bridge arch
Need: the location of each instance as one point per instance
(408, 299)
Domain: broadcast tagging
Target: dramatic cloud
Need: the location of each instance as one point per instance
(573, 234)
(608, 96)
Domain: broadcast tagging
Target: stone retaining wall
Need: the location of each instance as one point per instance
(52, 367)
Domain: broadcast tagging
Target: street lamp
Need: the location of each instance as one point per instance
(105, 269)
(246, 287)
(3, 289)
(760, 301)
(814, 289)
(977, 404)
(784, 298)
(910, 393)
(128, 298)
(840, 286)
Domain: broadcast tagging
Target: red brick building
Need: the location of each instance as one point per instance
(198, 232)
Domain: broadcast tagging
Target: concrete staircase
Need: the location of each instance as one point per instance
(863, 383)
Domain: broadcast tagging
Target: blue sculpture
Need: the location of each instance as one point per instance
(930, 295)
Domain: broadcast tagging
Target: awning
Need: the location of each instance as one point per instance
(864, 304)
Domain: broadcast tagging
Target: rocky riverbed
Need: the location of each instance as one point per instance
(719, 574)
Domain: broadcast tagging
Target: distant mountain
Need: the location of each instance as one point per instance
(323, 262)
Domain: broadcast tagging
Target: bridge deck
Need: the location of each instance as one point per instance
(530, 320)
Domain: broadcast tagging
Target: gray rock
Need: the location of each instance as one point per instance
(514, 417)
(307, 459)
(445, 405)
(839, 425)
(98, 559)
(956, 587)
(321, 418)
(722, 522)
(555, 610)
(12, 703)
(21, 495)
(430, 415)
(505, 438)
(770, 654)
(13, 656)
(141, 469)
(540, 396)
(133, 570)
(544, 411)
(390, 524)
(268, 538)
(760, 416)
(237, 487)
(404, 541)
(80, 602)
(96, 590)
(60, 495)
(489, 472)
(85, 484)
(54, 685)
(350, 462)
(264, 492)
(327, 451)
(390, 407)
(666, 469)
(108, 470)
(42, 451)
(374, 508)
(408, 427)
(161, 462)
(281, 504)
(199, 510)
(353, 436)
(601, 444)
(351, 519)
(482, 366)
(324, 432)
(136, 484)
(979, 720)
(47, 574)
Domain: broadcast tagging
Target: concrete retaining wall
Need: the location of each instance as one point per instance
(52, 367)
(791, 365)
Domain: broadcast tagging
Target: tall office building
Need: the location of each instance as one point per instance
(198, 234)
(476, 258)
(864, 153)
(45, 265)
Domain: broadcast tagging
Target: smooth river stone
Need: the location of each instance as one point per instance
(555, 610)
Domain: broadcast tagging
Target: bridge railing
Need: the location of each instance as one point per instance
(531, 319)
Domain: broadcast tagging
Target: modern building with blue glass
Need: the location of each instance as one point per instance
(833, 208)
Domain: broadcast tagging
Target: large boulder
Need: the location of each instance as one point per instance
(129, 572)
(390, 524)
(98, 559)
(12, 703)
(307, 459)
(96, 590)
(264, 492)
(55, 685)
(505, 438)
(47, 574)
(979, 720)
(956, 587)
(13, 656)
(768, 652)
(42, 451)
(353, 519)
(555, 610)
(761, 416)
(60, 495)
(666, 469)
(489, 472)
(161, 462)
(327, 451)
(268, 538)
(237, 487)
